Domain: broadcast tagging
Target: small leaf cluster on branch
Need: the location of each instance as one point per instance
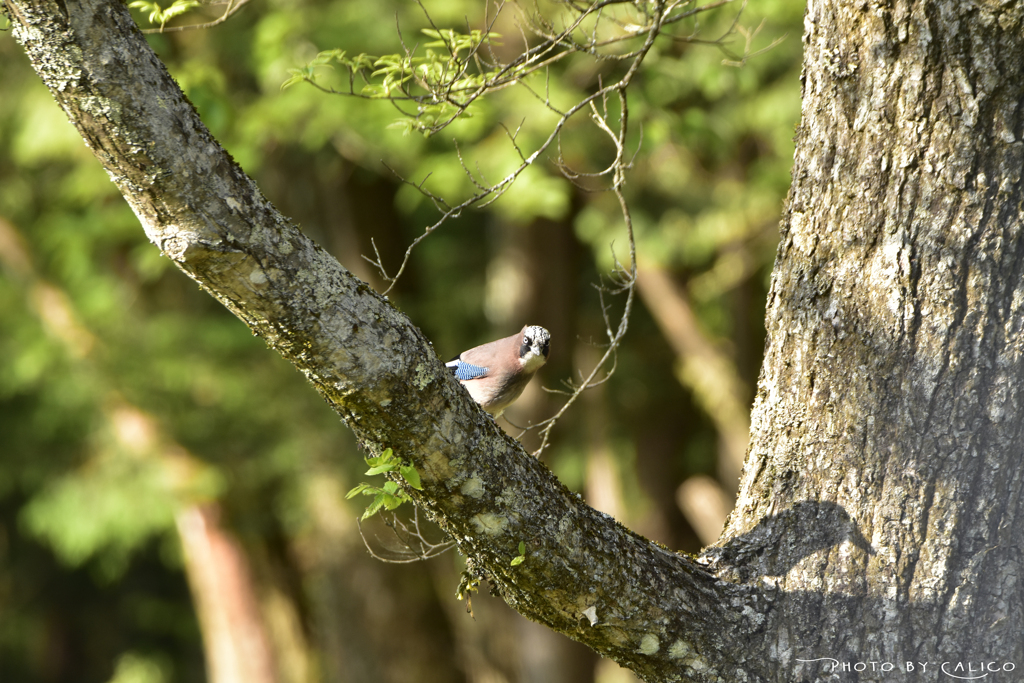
(391, 495)
(159, 15)
(458, 68)
(443, 79)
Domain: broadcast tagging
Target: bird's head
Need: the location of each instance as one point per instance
(533, 352)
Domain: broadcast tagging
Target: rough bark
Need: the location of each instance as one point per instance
(878, 514)
(883, 485)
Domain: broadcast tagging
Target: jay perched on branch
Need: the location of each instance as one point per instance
(496, 373)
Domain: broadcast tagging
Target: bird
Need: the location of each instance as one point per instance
(496, 373)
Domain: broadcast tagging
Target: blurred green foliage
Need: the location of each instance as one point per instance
(91, 575)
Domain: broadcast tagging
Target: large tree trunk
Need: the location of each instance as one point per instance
(882, 489)
(876, 521)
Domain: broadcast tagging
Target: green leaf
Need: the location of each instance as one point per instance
(518, 560)
(374, 91)
(393, 502)
(374, 507)
(411, 476)
(385, 462)
(297, 76)
(159, 15)
(360, 61)
(179, 7)
(357, 490)
(406, 125)
(324, 58)
(391, 495)
(153, 8)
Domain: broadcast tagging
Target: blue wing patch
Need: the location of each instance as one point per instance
(464, 371)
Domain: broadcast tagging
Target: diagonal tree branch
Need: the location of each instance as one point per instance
(652, 610)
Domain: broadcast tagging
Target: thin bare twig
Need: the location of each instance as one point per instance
(413, 543)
